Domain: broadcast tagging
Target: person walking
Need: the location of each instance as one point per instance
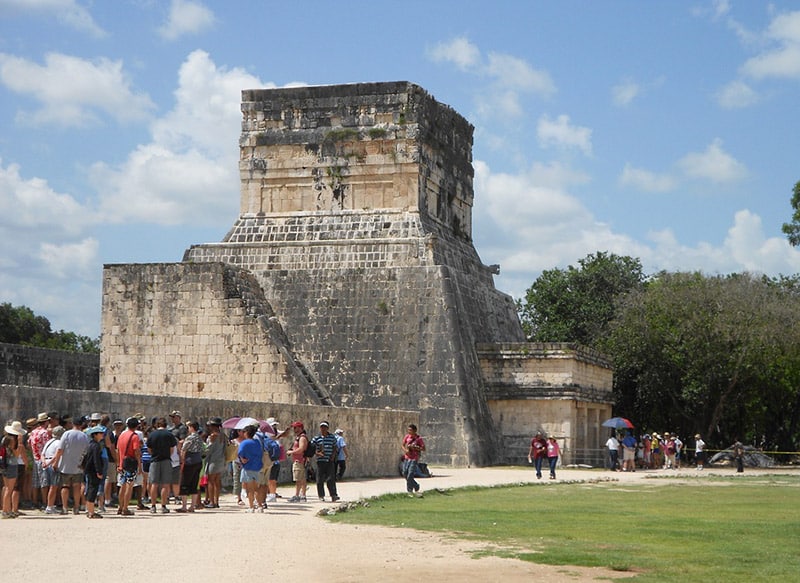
(413, 446)
(699, 451)
(341, 454)
(325, 442)
(553, 452)
(537, 453)
(612, 443)
(738, 455)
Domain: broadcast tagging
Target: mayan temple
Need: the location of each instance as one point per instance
(349, 280)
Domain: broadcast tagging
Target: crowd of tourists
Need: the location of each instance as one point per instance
(653, 451)
(95, 463)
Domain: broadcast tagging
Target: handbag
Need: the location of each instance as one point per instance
(231, 451)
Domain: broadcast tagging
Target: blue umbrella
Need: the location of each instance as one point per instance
(618, 423)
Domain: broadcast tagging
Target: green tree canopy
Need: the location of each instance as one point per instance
(717, 355)
(576, 304)
(19, 325)
(792, 229)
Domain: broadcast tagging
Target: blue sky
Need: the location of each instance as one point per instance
(667, 131)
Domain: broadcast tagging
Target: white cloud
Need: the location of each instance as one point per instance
(66, 11)
(625, 92)
(713, 164)
(458, 51)
(186, 17)
(561, 134)
(72, 90)
(30, 206)
(736, 95)
(70, 260)
(645, 180)
(783, 60)
(188, 173)
(510, 77)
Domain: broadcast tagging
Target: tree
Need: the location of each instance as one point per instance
(19, 325)
(576, 304)
(792, 230)
(719, 355)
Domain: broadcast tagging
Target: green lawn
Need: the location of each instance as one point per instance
(712, 529)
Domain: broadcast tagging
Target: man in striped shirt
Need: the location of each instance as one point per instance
(325, 442)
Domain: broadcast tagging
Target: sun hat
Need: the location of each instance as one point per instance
(96, 417)
(15, 429)
(31, 423)
(214, 421)
(42, 417)
(95, 429)
(271, 421)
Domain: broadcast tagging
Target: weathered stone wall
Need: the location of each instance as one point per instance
(559, 388)
(192, 330)
(373, 435)
(42, 367)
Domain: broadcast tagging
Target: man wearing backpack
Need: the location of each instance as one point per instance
(297, 453)
(325, 442)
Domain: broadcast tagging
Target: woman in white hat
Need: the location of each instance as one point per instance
(12, 450)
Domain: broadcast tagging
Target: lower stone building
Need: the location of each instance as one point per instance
(350, 279)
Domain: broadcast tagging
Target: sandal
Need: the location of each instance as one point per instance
(240, 503)
(95, 515)
(181, 510)
(127, 512)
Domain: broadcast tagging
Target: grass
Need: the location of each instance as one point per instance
(711, 529)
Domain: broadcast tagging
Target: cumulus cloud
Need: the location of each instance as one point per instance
(459, 51)
(782, 59)
(70, 260)
(714, 164)
(188, 172)
(549, 227)
(737, 95)
(509, 77)
(72, 91)
(186, 17)
(560, 133)
(645, 180)
(625, 92)
(68, 12)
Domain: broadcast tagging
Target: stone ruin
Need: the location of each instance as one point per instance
(349, 280)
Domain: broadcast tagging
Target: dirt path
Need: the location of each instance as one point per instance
(228, 544)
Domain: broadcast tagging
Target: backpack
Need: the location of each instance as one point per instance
(311, 449)
(274, 449)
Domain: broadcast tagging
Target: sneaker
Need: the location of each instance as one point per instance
(418, 494)
(95, 515)
(101, 510)
(164, 510)
(50, 510)
(251, 510)
(322, 498)
(64, 512)
(153, 510)
(182, 510)
(303, 499)
(272, 497)
(261, 509)
(8, 515)
(294, 499)
(335, 499)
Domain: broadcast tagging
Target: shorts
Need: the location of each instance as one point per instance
(112, 472)
(92, 487)
(298, 471)
(37, 474)
(161, 473)
(12, 472)
(51, 477)
(628, 455)
(68, 480)
(176, 474)
(249, 476)
(263, 475)
(126, 477)
(274, 471)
